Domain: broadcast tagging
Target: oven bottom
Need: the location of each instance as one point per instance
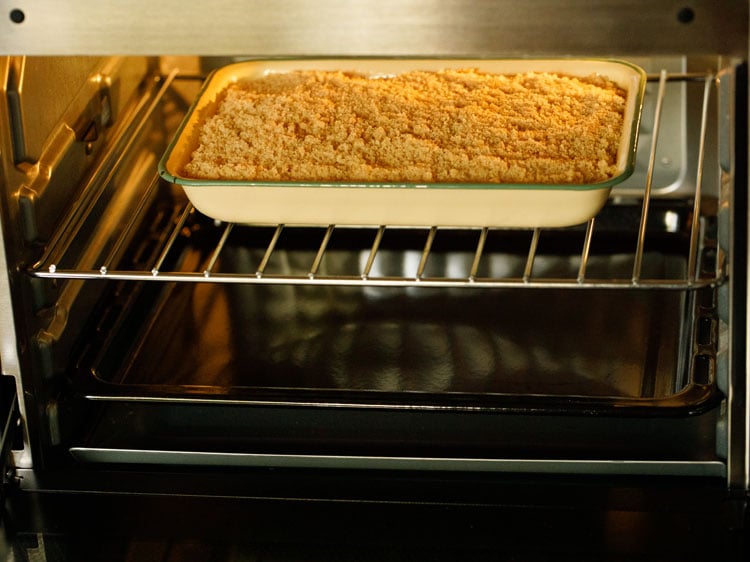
(279, 515)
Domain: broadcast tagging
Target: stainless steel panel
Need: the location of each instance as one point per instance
(42, 89)
(389, 27)
(62, 112)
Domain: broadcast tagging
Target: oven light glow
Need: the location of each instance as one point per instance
(672, 221)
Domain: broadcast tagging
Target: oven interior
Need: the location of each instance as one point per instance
(288, 392)
(153, 334)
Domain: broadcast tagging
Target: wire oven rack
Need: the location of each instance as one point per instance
(701, 240)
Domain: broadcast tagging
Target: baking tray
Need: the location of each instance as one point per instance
(401, 204)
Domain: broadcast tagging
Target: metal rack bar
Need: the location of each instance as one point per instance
(426, 253)
(373, 252)
(585, 252)
(218, 249)
(532, 255)
(478, 254)
(171, 240)
(637, 267)
(269, 251)
(321, 252)
(695, 226)
(356, 280)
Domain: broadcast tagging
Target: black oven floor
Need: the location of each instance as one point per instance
(516, 519)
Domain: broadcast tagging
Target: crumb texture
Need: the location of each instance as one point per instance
(445, 126)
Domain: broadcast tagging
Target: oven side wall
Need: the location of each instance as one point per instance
(10, 361)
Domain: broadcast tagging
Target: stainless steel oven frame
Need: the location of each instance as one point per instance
(705, 46)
